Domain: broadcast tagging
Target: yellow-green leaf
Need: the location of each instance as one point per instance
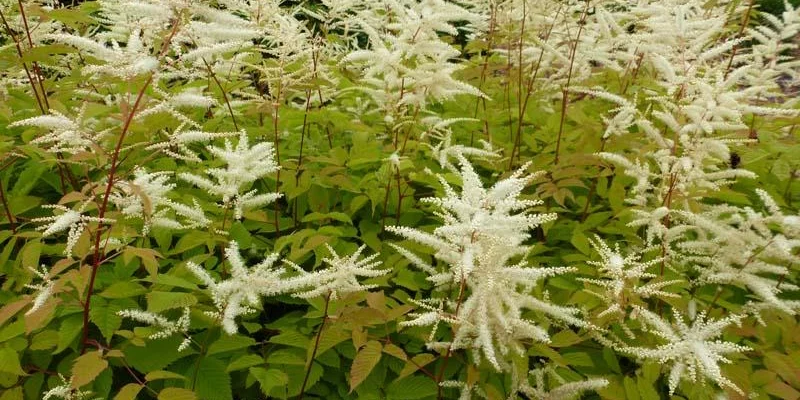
(366, 359)
(395, 351)
(9, 362)
(87, 367)
(419, 361)
(172, 393)
(157, 375)
(128, 392)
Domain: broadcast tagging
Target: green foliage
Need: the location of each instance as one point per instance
(341, 188)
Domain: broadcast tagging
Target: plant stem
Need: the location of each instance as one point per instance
(482, 100)
(275, 119)
(440, 375)
(565, 89)
(316, 346)
(745, 21)
(529, 90)
(36, 69)
(9, 215)
(24, 64)
(109, 185)
(224, 94)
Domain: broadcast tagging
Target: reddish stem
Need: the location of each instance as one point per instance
(109, 185)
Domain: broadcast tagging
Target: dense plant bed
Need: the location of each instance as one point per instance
(399, 199)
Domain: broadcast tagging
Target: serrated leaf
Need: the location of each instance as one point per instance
(176, 394)
(213, 382)
(230, 343)
(395, 351)
(155, 355)
(15, 393)
(411, 388)
(104, 315)
(286, 356)
(631, 390)
(269, 378)
(9, 362)
(331, 336)
(86, 368)
(44, 340)
(565, 338)
(419, 361)
(245, 361)
(11, 309)
(365, 360)
(291, 338)
(129, 392)
(68, 331)
(158, 375)
(169, 280)
(161, 301)
(338, 216)
(120, 290)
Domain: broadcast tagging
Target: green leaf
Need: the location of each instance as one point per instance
(290, 338)
(12, 330)
(395, 351)
(331, 336)
(631, 389)
(45, 340)
(12, 394)
(411, 388)
(86, 368)
(240, 234)
(68, 331)
(161, 301)
(31, 253)
(120, 290)
(213, 382)
(338, 216)
(419, 361)
(159, 375)
(155, 355)
(169, 280)
(782, 390)
(269, 378)
(646, 390)
(45, 52)
(28, 178)
(176, 394)
(286, 356)
(230, 343)
(129, 392)
(245, 361)
(366, 359)
(580, 242)
(565, 338)
(9, 362)
(104, 315)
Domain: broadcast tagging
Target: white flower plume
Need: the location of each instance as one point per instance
(146, 197)
(167, 327)
(66, 135)
(123, 62)
(244, 165)
(622, 276)
(689, 349)
(341, 277)
(482, 234)
(43, 290)
(73, 220)
(241, 292)
(564, 391)
(65, 391)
